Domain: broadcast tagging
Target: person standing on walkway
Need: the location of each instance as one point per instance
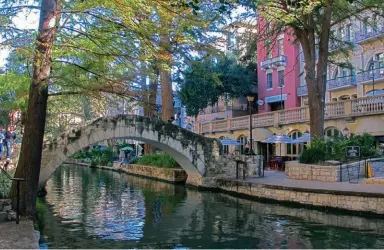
(2, 142)
(10, 136)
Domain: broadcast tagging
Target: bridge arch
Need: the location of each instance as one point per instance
(193, 152)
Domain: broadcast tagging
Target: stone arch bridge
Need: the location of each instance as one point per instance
(196, 154)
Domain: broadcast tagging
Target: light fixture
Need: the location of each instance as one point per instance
(345, 131)
(250, 98)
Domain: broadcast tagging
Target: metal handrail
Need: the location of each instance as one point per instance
(17, 192)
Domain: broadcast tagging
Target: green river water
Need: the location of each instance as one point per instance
(93, 208)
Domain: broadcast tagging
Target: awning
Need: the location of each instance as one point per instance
(127, 148)
(229, 141)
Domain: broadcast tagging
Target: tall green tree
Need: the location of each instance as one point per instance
(205, 81)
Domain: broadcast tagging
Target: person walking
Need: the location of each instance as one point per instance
(10, 136)
(2, 142)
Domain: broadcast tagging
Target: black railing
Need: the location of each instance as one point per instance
(17, 190)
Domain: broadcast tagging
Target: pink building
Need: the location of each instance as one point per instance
(278, 65)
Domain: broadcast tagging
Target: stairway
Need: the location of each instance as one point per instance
(6, 213)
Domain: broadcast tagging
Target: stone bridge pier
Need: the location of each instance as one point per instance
(199, 156)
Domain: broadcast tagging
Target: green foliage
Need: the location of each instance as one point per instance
(157, 160)
(205, 81)
(334, 148)
(312, 155)
(5, 185)
(97, 157)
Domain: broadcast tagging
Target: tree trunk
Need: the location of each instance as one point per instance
(150, 106)
(30, 157)
(166, 78)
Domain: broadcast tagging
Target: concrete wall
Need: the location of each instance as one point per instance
(299, 171)
(166, 174)
(341, 200)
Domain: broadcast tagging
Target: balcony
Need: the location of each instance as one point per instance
(274, 62)
(218, 109)
(341, 83)
(302, 90)
(367, 77)
(348, 109)
(362, 36)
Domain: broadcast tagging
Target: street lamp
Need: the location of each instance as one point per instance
(250, 101)
(345, 132)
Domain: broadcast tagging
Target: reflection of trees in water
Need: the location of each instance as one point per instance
(102, 202)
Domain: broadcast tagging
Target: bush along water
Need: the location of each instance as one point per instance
(334, 148)
(96, 156)
(157, 160)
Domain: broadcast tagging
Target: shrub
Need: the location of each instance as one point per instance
(157, 160)
(5, 185)
(312, 155)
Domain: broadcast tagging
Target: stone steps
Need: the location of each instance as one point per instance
(6, 213)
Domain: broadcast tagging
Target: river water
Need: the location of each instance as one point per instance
(93, 208)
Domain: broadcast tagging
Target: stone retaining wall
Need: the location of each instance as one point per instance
(299, 171)
(341, 200)
(374, 181)
(166, 174)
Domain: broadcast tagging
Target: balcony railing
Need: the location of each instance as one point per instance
(362, 36)
(368, 76)
(274, 62)
(342, 82)
(302, 90)
(335, 110)
(218, 109)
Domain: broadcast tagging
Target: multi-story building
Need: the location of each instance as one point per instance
(278, 72)
(354, 96)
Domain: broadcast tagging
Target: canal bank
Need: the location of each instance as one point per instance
(21, 236)
(363, 198)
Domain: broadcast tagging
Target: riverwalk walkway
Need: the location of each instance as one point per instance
(13, 236)
(279, 179)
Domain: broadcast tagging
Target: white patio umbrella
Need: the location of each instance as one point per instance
(305, 138)
(279, 138)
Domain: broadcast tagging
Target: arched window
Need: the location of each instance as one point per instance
(354, 96)
(332, 132)
(225, 147)
(294, 149)
(242, 140)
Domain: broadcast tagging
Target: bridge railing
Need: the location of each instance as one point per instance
(334, 110)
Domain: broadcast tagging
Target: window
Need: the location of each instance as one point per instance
(269, 81)
(281, 78)
(225, 147)
(332, 132)
(242, 140)
(353, 75)
(348, 33)
(368, 25)
(342, 34)
(294, 149)
(281, 47)
(380, 57)
(345, 72)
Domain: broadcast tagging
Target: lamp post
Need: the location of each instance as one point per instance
(250, 101)
(345, 132)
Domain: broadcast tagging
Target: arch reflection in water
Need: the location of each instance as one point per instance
(91, 208)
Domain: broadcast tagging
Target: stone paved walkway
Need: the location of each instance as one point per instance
(280, 179)
(14, 236)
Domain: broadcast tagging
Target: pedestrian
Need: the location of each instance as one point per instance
(246, 149)
(10, 136)
(2, 141)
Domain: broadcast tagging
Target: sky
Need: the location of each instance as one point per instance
(26, 19)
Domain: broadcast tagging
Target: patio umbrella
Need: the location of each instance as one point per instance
(229, 141)
(127, 148)
(278, 138)
(305, 138)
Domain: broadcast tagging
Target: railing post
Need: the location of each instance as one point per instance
(18, 203)
(276, 117)
(228, 124)
(348, 108)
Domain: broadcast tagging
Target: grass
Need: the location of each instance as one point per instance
(157, 160)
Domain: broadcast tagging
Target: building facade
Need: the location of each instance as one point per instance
(278, 72)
